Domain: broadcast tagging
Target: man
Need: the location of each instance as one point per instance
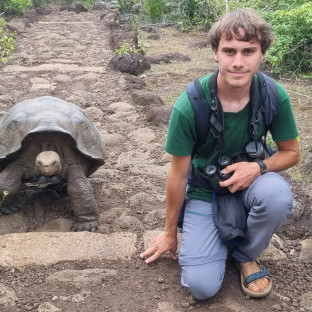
(239, 41)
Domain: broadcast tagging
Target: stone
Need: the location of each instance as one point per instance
(42, 249)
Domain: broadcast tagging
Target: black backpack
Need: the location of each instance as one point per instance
(207, 115)
(264, 104)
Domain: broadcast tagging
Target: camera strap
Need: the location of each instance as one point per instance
(217, 117)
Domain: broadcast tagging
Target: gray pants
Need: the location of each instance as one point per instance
(202, 257)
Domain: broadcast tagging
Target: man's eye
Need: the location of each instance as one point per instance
(248, 52)
(229, 52)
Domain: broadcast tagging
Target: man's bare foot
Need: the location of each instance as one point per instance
(252, 267)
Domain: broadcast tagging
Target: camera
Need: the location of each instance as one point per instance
(214, 174)
(256, 150)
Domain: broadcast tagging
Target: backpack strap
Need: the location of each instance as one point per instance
(201, 110)
(269, 98)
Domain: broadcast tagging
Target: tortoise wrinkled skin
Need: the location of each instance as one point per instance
(48, 139)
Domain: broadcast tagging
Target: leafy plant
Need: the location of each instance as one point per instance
(292, 52)
(5, 194)
(15, 6)
(7, 43)
(126, 47)
(155, 9)
(136, 24)
(126, 5)
(200, 14)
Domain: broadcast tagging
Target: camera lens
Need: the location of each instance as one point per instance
(224, 160)
(211, 170)
(225, 176)
(255, 150)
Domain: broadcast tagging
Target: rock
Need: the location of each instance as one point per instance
(17, 25)
(121, 37)
(142, 135)
(111, 215)
(48, 307)
(306, 301)
(80, 278)
(77, 7)
(100, 6)
(167, 58)
(159, 115)
(94, 113)
(7, 296)
(306, 252)
(146, 99)
(200, 44)
(136, 9)
(14, 223)
(129, 82)
(132, 63)
(5, 99)
(31, 16)
(121, 107)
(154, 37)
(155, 217)
(110, 20)
(43, 249)
(127, 223)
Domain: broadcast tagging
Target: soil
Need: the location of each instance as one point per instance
(65, 54)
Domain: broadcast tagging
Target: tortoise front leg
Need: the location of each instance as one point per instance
(10, 182)
(81, 195)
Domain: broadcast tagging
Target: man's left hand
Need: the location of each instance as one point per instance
(244, 173)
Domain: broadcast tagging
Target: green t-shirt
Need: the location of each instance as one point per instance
(181, 136)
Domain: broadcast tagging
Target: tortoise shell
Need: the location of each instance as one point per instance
(49, 114)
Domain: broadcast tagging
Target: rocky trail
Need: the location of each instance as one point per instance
(46, 268)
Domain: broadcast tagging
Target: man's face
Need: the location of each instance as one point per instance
(238, 61)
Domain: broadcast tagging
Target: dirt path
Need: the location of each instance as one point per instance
(66, 54)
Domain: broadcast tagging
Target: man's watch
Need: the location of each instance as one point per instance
(262, 165)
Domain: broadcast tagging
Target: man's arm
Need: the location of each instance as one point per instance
(176, 184)
(246, 172)
(287, 156)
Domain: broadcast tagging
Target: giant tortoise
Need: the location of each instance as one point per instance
(48, 140)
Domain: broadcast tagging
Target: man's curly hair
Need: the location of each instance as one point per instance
(254, 26)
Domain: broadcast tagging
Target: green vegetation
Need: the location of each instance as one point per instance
(4, 195)
(126, 5)
(155, 9)
(126, 47)
(292, 52)
(17, 7)
(291, 20)
(7, 43)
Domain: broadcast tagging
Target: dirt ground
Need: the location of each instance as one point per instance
(65, 54)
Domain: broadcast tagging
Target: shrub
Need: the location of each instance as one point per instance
(15, 6)
(155, 9)
(126, 5)
(292, 51)
(7, 43)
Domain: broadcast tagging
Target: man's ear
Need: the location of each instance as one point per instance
(262, 57)
(215, 55)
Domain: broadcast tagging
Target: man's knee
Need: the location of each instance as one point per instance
(203, 282)
(270, 190)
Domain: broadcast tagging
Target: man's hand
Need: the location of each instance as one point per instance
(161, 244)
(244, 173)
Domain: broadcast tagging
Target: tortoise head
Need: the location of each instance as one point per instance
(48, 163)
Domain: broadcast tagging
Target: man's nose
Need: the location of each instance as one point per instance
(238, 60)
